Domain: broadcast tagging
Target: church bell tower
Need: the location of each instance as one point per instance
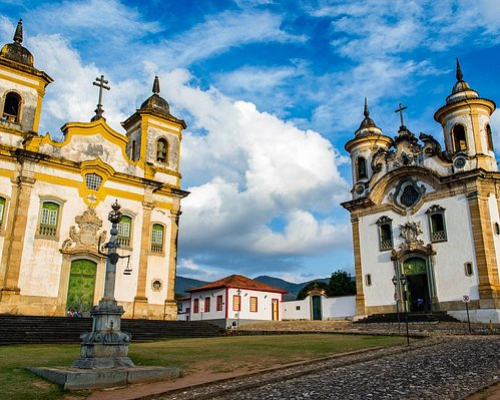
(465, 120)
(22, 87)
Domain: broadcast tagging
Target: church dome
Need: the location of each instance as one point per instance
(461, 90)
(367, 126)
(15, 51)
(156, 102)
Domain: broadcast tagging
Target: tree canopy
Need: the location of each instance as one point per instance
(341, 284)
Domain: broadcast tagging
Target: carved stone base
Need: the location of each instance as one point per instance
(102, 363)
(106, 346)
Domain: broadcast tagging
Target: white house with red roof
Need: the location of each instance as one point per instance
(233, 301)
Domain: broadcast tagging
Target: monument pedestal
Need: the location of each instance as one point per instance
(106, 346)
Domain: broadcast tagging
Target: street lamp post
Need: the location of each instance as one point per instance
(107, 346)
(404, 280)
(396, 295)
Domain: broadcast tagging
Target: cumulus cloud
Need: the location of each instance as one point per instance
(259, 167)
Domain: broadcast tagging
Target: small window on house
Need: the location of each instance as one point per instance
(469, 271)
(361, 168)
(161, 150)
(2, 209)
(253, 304)
(157, 238)
(219, 303)
(497, 228)
(93, 181)
(49, 219)
(489, 137)
(385, 233)
(12, 107)
(124, 229)
(368, 280)
(236, 303)
(207, 304)
(459, 139)
(437, 224)
(196, 306)
(297, 308)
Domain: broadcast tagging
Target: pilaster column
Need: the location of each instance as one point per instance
(147, 207)
(485, 251)
(170, 304)
(15, 233)
(360, 295)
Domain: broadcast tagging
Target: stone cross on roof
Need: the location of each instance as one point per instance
(101, 82)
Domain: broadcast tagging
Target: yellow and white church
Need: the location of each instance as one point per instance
(426, 221)
(55, 197)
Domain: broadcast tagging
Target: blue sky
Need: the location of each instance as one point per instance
(271, 91)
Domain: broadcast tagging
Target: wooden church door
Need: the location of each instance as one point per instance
(81, 285)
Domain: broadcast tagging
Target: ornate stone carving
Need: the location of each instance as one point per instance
(410, 232)
(85, 237)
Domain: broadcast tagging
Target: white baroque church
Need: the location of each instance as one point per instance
(426, 221)
(55, 197)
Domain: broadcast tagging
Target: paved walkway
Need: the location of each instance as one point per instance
(449, 364)
(444, 368)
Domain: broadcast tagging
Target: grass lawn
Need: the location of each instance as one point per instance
(212, 356)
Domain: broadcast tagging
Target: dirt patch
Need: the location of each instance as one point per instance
(490, 393)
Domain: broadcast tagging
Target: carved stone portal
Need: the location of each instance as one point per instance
(85, 237)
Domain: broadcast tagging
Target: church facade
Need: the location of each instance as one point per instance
(426, 220)
(55, 197)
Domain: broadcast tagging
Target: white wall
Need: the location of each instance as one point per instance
(331, 307)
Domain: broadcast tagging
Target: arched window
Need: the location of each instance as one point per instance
(124, 231)
(437, 223)
(161, 150)
(12, 107)
(157, 238)
(3, 201)
(459, 140)
(385, 233)
(49, 219)
(489, 137)
(361, 168)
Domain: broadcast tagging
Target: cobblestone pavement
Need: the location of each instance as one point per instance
(438, 368)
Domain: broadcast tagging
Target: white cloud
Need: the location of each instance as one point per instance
(255, 167)
(72, 96)
(220, 33)
(188, 268)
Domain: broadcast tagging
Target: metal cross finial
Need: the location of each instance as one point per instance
(400, 110)
(101, 82)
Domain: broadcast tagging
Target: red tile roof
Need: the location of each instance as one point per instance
(238, 282)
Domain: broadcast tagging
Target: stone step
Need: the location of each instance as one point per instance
(26, 329)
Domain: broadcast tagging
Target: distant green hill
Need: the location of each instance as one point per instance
(182, 284)
(293, 288)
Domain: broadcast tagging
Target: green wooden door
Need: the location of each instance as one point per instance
(81, 285)
(316, 303)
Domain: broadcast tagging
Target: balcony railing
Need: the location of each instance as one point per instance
(438, 236)
(123, 241)
(157, 248)
(47, 230)
(386, 244)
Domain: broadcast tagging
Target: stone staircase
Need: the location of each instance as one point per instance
(15, 329)
(412, 317)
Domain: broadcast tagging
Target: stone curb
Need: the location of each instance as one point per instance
(491, 383)
(292, 375)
